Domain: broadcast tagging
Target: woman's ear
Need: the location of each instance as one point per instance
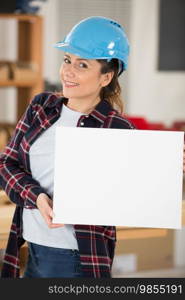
(107, 77)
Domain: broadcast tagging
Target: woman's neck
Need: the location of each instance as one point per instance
(82, 106)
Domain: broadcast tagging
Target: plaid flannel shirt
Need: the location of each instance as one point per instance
(96, 243)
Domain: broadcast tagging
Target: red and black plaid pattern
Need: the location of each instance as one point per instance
(96, 243)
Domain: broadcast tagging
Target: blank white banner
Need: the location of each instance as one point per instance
(118, 177)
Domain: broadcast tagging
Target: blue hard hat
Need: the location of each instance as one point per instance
(97, 38)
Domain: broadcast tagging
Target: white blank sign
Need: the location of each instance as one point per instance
(118, 177)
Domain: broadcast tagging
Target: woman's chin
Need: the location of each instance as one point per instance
(70, 94)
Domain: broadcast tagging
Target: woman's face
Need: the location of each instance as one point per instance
(81, 78)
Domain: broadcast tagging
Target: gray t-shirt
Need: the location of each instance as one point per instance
(35, 229)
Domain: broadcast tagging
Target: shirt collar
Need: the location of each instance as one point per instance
(100, 112)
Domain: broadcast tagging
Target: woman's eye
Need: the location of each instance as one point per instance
(66, 60)
(83, 65)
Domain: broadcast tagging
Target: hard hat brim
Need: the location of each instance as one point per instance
(70, 49)
(66, 47)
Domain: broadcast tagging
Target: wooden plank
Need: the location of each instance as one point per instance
(21, 17)
(18, 83)
(30, 36)
(138, 233)
(6, 214)
(24, 95)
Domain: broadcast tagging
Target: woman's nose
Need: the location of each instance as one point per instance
(69, 70)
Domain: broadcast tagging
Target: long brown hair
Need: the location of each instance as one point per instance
(112, 92)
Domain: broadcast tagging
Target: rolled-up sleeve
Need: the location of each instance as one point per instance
(19, 185)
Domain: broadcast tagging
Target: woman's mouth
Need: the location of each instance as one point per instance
(69, 84)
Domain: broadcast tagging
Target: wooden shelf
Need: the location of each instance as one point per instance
(18, 83)
(124, 233)
(6, 212)
(20, 17)
(29, 42)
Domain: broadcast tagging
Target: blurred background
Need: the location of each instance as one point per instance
(153, 91)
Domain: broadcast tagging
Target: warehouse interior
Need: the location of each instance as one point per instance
(152, 88)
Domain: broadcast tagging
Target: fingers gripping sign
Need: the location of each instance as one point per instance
(45, 206)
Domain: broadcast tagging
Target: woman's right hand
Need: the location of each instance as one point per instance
(45, 204)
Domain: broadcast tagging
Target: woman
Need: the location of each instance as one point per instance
(95, 54)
